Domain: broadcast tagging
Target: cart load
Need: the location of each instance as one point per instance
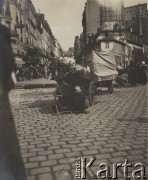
(102, 64)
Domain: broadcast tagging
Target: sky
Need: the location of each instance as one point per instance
(65, 17)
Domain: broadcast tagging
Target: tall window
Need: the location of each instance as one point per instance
(111, 13)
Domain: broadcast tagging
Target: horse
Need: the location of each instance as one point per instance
(11, 164)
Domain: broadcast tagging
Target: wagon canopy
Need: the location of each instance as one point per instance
(102, 64)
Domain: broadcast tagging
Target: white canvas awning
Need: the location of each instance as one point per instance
(102, 64)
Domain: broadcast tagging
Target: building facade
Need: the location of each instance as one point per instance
(92, 10)
(136, 22)
(108, 30)
(102, 14)
(135, 19)
(58, 52)
(30, 32)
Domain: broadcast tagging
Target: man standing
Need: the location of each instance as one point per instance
(142, 73)
(132, 76)
(11, 165)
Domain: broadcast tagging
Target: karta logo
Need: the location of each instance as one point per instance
(84, 168)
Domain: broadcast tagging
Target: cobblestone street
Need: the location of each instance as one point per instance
(114, 129)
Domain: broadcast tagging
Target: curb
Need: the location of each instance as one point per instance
(33, 86)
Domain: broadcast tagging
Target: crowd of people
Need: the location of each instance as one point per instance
(137, 73)
(34, 72)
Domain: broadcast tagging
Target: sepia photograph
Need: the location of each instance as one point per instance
(73, 89)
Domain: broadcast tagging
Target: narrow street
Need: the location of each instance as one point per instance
(63, 51)
(114, 129)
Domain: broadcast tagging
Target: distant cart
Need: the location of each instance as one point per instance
(102, 65)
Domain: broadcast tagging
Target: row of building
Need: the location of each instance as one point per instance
(31, 36)
(108, 25)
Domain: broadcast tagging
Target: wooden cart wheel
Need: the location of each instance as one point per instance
(110, 87)
(92, 90)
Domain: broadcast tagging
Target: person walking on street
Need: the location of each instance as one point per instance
(132, 75)
(45, 71)
(142, 73)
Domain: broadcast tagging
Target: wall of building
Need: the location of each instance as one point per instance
(136, 20)
(102, 14)
(28, 29)
(58, 50)
(112, 12)
(92, 16)
(112, 18)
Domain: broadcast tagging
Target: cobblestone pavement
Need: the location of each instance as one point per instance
(114, 129)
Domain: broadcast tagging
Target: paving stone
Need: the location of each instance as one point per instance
(40, 170)
(85, 144)
(107, 150)
(103, 156)
(117, 160)
(31, 154)
(136, 152)
(31, 178)
(28, 147)
(31, 165)
(48, 163)
(123, 148)
(73, 154)
(136, 157)
(53, 147)
(67, 160)
(77, 149)
(63, 175)
(37, 158)
(46, 176)
(141, 146)
(110, 145)
(118, 154)
(56, 156)
(61, 167)
(42, 153)
(60, 151)
(90, 152)
(36, 150)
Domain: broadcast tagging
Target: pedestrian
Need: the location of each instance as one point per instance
(142, 73)
(45, 71)
(11, 165)
(52, 69)
(31, 72)
(132, 76)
